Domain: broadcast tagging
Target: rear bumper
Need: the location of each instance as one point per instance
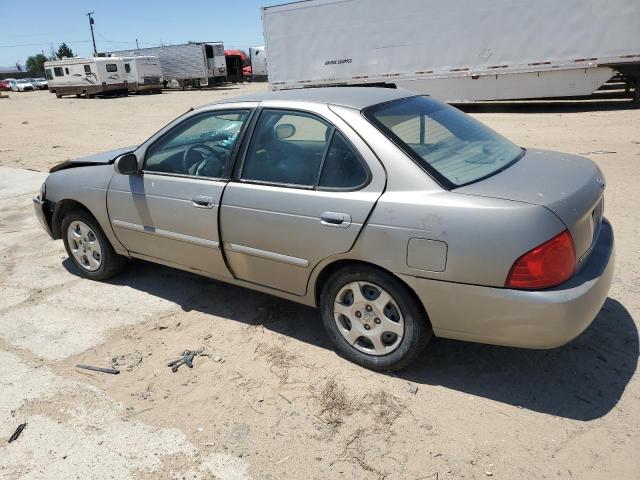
(39, 209)
(500, 316)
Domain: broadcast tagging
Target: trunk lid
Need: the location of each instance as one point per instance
(569, 185)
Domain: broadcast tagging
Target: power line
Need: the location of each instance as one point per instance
(43, 43)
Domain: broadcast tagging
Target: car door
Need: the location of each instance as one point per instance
(302, 193)
(169, 212)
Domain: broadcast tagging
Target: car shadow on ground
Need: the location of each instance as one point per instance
(583, 380)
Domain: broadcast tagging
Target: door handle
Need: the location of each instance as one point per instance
(335, 219)
(200, 201)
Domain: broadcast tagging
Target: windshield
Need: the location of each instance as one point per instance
(448, 143)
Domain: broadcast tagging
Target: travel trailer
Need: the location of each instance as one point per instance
(86, 76)
(190, 64)
(143, 73)
(456, 51)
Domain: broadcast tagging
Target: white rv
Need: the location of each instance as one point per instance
(190, 64)
(143, 73)
(258, 58)
(463, 50)
(86, 76)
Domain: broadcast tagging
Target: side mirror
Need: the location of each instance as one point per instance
(126, 164)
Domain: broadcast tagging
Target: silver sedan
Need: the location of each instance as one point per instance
(396, 215)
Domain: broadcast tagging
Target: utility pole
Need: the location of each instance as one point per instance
(137, 46)
(95, 50)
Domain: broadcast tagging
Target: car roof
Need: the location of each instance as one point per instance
(353, 97)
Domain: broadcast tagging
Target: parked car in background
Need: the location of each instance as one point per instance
(33, 83)
(21, 85)
(5, 85)
(399, 216)
(41, 83)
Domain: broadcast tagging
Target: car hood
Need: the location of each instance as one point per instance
(95, 159)
(569, 185)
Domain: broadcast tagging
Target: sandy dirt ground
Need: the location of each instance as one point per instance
(271, 399)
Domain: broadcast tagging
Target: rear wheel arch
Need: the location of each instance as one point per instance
(346, 264)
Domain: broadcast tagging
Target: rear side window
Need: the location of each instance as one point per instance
(112, 67)
(127, 68)
(449, 144)
(87, 69)
(300, 149)
(342, 167)
(58, 71)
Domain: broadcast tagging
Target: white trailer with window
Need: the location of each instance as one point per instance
(190, 64)
(143, 73)
(86, 76)
(462, 50)
(258, 58)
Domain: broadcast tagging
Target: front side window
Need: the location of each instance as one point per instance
(299, 149)
(201, 146)
(49, 74)
(127, 68)
(112, 67)
(66, 70)
(58, 71)
(448, 143)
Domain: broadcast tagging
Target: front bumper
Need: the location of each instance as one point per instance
(39, 209)
(517, 318)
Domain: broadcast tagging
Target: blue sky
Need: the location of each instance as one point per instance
(27, 28)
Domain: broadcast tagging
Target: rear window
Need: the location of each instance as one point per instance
(449, 144)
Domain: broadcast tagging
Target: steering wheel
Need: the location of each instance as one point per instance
(188, 164)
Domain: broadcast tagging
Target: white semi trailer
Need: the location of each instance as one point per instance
(190, 64)
(458, 50)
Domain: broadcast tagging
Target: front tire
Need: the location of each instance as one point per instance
(88, 247)
(373, 319)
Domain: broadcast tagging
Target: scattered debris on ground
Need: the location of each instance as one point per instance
(112, 371)
(17, 433)
(186, 358)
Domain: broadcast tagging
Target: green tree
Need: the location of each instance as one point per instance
(64, 51)
(35, 65)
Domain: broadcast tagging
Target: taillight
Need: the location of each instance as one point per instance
(548, 265)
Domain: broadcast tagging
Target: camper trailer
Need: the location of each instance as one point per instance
(86, 76)
(143, 74)
(196, 64)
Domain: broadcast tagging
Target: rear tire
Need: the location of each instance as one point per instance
(88, 247)
(383, 328)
